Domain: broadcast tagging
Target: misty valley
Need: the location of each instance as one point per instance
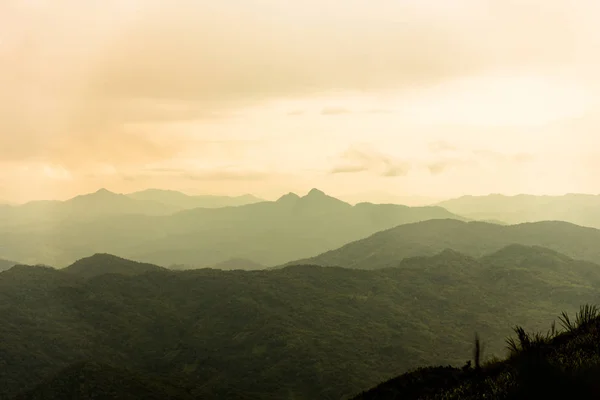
(156, 295)
(299, 200)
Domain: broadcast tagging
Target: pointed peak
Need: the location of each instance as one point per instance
(99, 193)
(314, 192)
(288, 197)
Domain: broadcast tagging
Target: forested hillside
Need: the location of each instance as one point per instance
(302, 331)
(389, 247)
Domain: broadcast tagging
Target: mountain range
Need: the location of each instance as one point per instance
(185, 202)
(103, 203)
(580, 209)
(389, 247)
(6, 264)
(299, 332)
(268, 233)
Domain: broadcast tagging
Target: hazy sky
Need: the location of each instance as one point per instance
(407, 97)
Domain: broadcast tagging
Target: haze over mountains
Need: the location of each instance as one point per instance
(267, 232)
(264, 288)
(580, 209)
(6, 264)
(378, 289)
(387, 248)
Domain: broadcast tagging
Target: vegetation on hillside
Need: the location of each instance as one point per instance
(562, 363)
(300, 332)
(100, 264)
(93, 381)
(388, 248)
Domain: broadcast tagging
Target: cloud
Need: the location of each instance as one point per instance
(90, 84)
(335, 111)
(380, 111)
(464, 157)
(441, 146)
(441, 166)
(363, 158)
(84, 65)
(345, 169)
(295, 112)
(210, 174)
(396, 170)
(484, 154)
(224, 175)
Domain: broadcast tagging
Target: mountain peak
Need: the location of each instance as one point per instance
(103, 263)
(314, 192)
(288, 197)
(104, 192)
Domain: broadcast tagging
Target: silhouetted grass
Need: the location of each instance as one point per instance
(553, 365)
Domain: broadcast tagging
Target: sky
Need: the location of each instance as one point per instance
(366, 100)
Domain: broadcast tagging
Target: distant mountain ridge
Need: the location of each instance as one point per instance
(100, 264)
(6, 264)
(184, 201)
(580, 209)
(238, 264)
(104, 203)
(268, 233)
(388, 248)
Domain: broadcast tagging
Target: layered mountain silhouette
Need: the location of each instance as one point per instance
(100, 264)
(6, 264)
(387, 248)
(184, 201)
(103, 203)
(580, 209)
(238, 263)
(233, 334)
(99, 204)
(269, 233)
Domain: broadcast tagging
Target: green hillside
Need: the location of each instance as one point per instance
(100, 264)
(93, 381)
(388, 248)
(300, 332)
(561, 363)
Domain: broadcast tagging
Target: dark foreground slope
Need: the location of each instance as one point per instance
(389, 247)
(93, 381)
(562, 365)
(302, 332)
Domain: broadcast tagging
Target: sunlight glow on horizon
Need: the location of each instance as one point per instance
(130, 95)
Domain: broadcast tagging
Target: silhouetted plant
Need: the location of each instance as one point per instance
(477, 355)
(586, 315)
(526, 341)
